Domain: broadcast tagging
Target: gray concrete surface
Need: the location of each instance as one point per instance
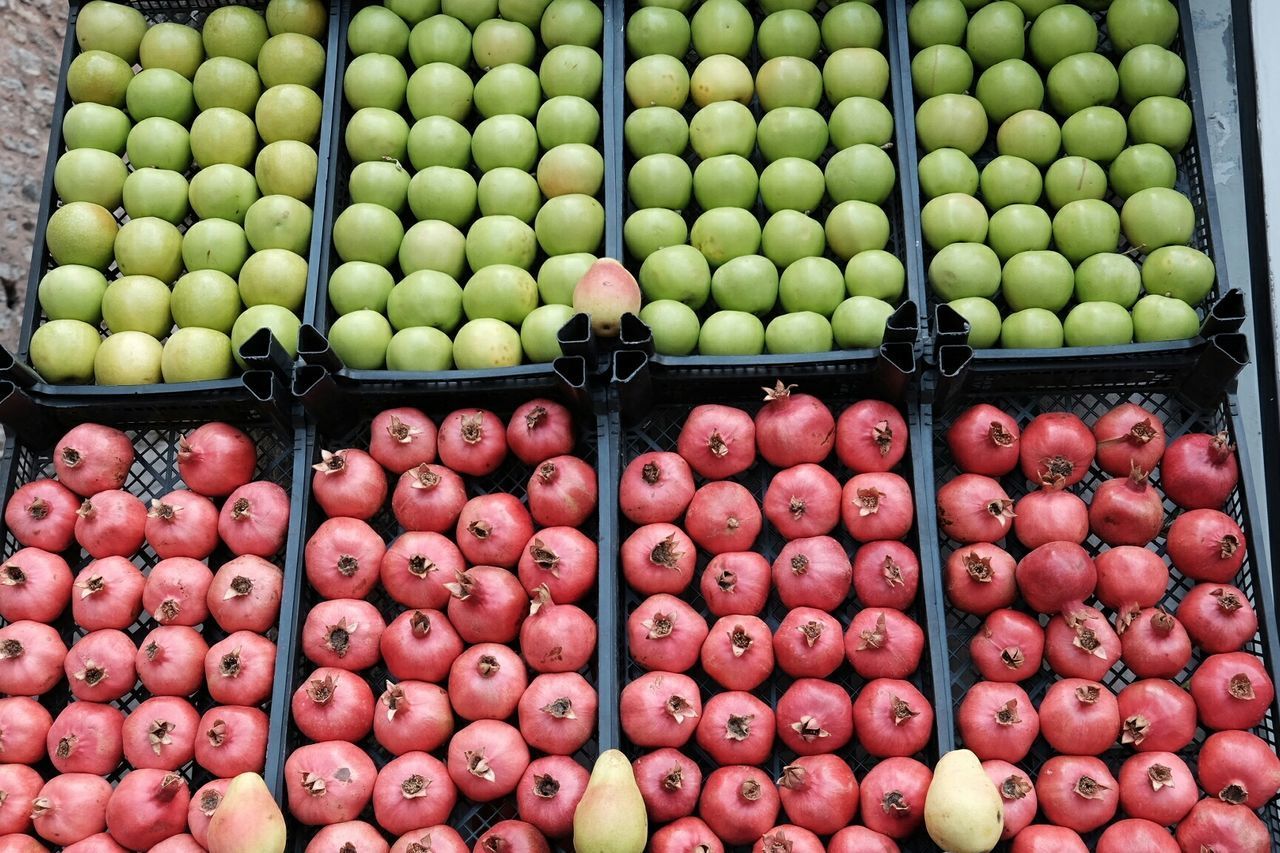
(31, 33)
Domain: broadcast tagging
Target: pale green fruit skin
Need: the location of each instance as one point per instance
(509, 191)
(96, 126)
(859, 322)
(274, 277)
(571, 168)
(1098, 133)
(1086, 227)
(1032, 135)
(62, 351)
(215, 244)
(1134, 22)
(311, 17)
(660, 180)
(433, 245)
(500, 240)
(856, 226)
(149, 246)
(86, 174)
(160, 92)
(855, 71)
(223, 135)
(725, 181)
(748, 283)
(505, 140)
(486, 343)
(647, 231)
(99, 77)
(1073, 178)
(563, 119)
(964, 269)
(292, 58)
(941, 69)
(206, 298)
(1149, 70)
(1034, 328)
(571, 70)
(952, 121)
(790, 236)
(235, 31)
(72, 292)
(289, 111)
(722, 26)
(1162, 120)
(1157, 217)
(1085, 321)
(792, 184)
(375, 80)
(996, 32)
(1009, 87)
(792, 132)
(425, 298)
(287, 168)
(1082, 80)
(282, 322)
(82, 233)
(360, 339)
(225, 81)
(657, 81)
(674, 326)
(678, 273)
(279, 222)
(440, 38)
(500, 292)
(1019, 228)
(374, 133)
(538, 332)
(875, 273)
(569, 224)
(367, 232)
(1058, 33)
(953, 218)
(1179, 271)
(812, 284)
(731, 333)
(112, 27)
(442, 192)
(1141, 166)
(1164, 318)
(656, 130)
(420, 349)
(725, 233)
(1010, 180)
(157, 192)
(984, 320)
(725, 127)
(845, 25)
(653, 30)
(350, 291)
(1098, 275)
(194, 354)
(798, 332)
(558, 276)
(862, 172)
(1037, 280)
(128, 358)
(857, 120)
(508, 90)
(159, 143)
(947, 170)
(376, 29)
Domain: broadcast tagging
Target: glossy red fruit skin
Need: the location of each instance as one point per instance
(1056, 447)
(859, 839)
(42, 514)
(886, 573)
(980, 578)
(1134, 835)
(984, 440)
(1213, 824)
(974, 508)
(1008, 647)
(813, 572)
(683, 835)
(738, 652)
(1079, 717)
(815, 717)
(1130, 575)
(736, 584)
(669, 782)
(1077, 792)
(1129, 436)
(1079, 643)
(657, 558)
(717, 441)
(1156, 716)
(722, 517)
(92, 458)
(739, 803)
(350, 483)
(665, 633)
(792, 427)
(803, 501)
(1217, 617)
(1206, 545)
(1199, 471)
(563, 491)
(736, 728)
(660, 709)
(892, 796)
(807, 643)
(878, 505)
(1017, 795)
(1046, 838)
(215, 459)
(493, 529)
(883, 643)
(655, 486)
(1231, 691)
(997, 721)
(428, 497)
(871, 435)
(343, 558)
(819, 793)
(549, 793)
(1056, 575)
(1153, 644)
(539, 429)
(1157, 786)
(472, 441)
(333, 704)
(403, 438)
(1238, 766)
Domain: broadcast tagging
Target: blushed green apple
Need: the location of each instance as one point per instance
(486, 343)
(82, 233)
(288, 168)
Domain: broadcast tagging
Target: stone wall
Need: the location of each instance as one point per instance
(31, 33)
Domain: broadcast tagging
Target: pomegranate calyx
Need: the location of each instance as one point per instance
(1228, 601)
(727, 581)
(463, 587)
(90, 585)
(739, 641)
(338, 637)
(401, 432)
(66, 746)
(799, 564)
(902, 712)
(793, 777)
(751, 790)
(876, 638)
(424, 477)
(544, 558)
(163, 511)
(1054, 471)
(679, 708)
(894, 801)
(313, 784)
(1007, 714)
(651, 473)
(478, 765)
(241, 509)
(1015, 787)
(10, 648)
(1162, 621)
(738, 727)
(209, 802)
(488, 666)
(1220, 448)
(540, 599)
(547, 471)
(229, 666)
(673, 779)
(777, 392)
(811, 630)
(217, 733)
(1228, 545)
(414, 787)
(1240, 687)
(1089, 788)
(480, 529)
(882, 435)
(1012, 657)
(535, 416)
(868, 501)
(659, 625)
(892, 573)
(717, 445)
(809, 728)
(393, 697)
(1235, 793)
(1088, 694)
(239, 586)
(665, 554)
(321, 691)
(71, 457)
(796, 506)
(1086, 639)
(91, 673)
(158, 735)
(545, 786)
(978, 567)
(38, 508)
(472, 427)
(1160, 776)
(40, 806)
(1000, 436)
(1135, 729)
(420, 566)
(85, 509)
(331, 463)
(168, 610)
(419, 624)
(12, 575)
(775, 842)
(347, 565)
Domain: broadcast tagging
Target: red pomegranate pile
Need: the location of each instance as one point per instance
(471, 679)
(1085, 601)
(167, 666)
(697, 558)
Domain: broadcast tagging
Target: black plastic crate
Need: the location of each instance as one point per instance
(652, 421)
(319, 313)
(904, 228)
(1194, 180)
(155, 424)
(341, 417)
(191, 13)
(1172, 392)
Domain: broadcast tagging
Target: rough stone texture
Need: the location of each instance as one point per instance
(31, 33)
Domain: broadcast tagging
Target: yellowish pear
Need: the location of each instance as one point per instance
(610, 817)
(962, 810)
(247, 820)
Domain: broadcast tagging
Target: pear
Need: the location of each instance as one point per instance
(962, 810)
(247, 820)
(610, 817)
(606, 291)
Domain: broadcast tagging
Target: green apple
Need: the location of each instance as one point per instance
(485, 344)
(82, 233)
(425, 298)
(149, 246)
(855, 72)
(570, 223)
(788, 81)
(500, 292)
(1034, 328)
(996, 32)
(856, 226)
(792, 132)
(128, 358)
(647, 231)
(223, 135)
(792, 183)
(507, 191)
(859, 322)
(1092, 324)
(87, 174)
(376, 29)
(274, 277)
(875, 273)
(287, 168)
(677, 273)
(789, 236)
(1019, 228)
(567, 118)
(859, 119)
(235, 31)
(361, 338)
(112, 27)
(1082, 80)
(195, 354)
(1109, 277)
(747, 283)
(72, 292)
(572, 168)
(470, 12)
(1032, 135)
(936, 22)
(1150, 70)
(440, 38)
(223, 191)
(1156, 217)
(500, 240)
(205, 298)
(1009, 87)
(420, 349)
(651, 130)
(1073, 178)
(215, 244)
(375, 134)
(660, 180)
(657, 81)
(947, 170)
(725, 181)
(725, 233)
(1086, 227)
(289, 111)
(811, 284)
(159, 143)
(1135, 22)
(356, 285)
(383, 182)
(432, 141)
(1139, 167)
(367, 232)
(98, 77)
(224, 81)
(278, 222)
(1098, 133)
(507, 90)
(504, 140)
(801, 331)
(157, 192)
(953, 218)
(674, 325)
(311, 17)
(375, 80)
(790, 32)
(292, 58)
(571, 69)
(941, 69)
(1179, 271)
(433, 245)
(731, 333)
(1010, 180)
(983, 317)
(1164, 318)
(863, 172)
(63, 351)
(160, 92)
(282, 322)
(540, 329)
(725, 127)
(91, 125)
(1037, 280)
(559, 275)
(850, 25)
(1161, 120)
(952, 121)
(653, 29)
(722, 26)
(964, 269)
(1059, 32)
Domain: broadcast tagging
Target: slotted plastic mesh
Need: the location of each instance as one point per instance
(1179, 418)
(892, 206)
(155, 436)
(659, 430)
(470, 819)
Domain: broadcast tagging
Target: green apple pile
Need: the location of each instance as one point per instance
(177, 247)
(1071, 230)
(800, 242)
(473, 209)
